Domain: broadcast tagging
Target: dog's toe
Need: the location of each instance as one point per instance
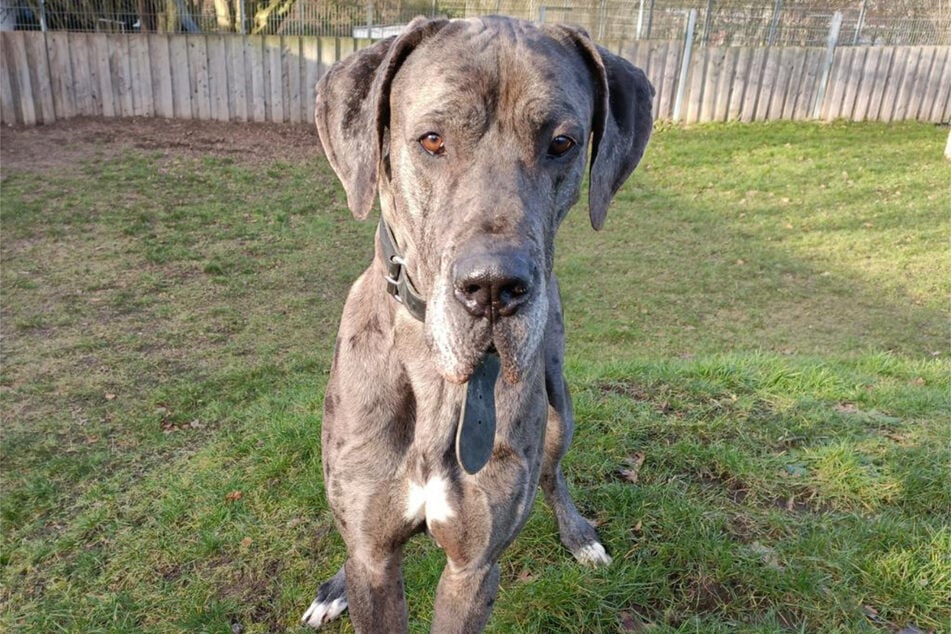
(593, 554)
(321, 612)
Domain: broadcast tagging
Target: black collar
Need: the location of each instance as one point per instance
(398, 283)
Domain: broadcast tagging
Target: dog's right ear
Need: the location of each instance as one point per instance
(353, 111)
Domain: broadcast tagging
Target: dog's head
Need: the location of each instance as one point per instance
(476, 133)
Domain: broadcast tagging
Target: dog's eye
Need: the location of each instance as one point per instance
(560, 145)
(432, 143)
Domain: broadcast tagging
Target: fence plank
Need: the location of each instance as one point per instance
(695, 79)
(181, 77)
(100, 58)
(866, 87)
(714, 78)
(895, 79)
(941, 61)
(9, 113)
(235, 48)
(198, 62)
(917, 92)
(61, 74)
(754, 81)
(853, 82)
(877, 102)
(794, 87)
(292, 72)
(777, 98)
(669, 78)
(727, 84)
(740, 82)
(907, 89)
(838, 76)
(121, 71)
(310, 58)
(218, 88)
(40, 77)
(329, 54)
(941, 111)
(259, 84)
(272, 50)
(163, 102)
(82, 68)
(767, 84)
(143, 104)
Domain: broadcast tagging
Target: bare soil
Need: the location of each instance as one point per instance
(62, 145)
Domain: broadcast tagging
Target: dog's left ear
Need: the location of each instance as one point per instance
(353, 111)
(622, 123)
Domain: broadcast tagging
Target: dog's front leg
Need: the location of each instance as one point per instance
(375, 592)
(464, 599)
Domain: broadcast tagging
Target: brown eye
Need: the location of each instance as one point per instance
(432, 143)
(560, 145)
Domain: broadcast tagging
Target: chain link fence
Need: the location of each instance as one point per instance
(719, 22)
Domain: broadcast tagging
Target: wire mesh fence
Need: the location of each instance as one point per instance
(719, 22)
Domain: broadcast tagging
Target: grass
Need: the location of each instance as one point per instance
(761, 330)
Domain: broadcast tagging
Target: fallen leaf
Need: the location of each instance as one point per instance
(246, 542)
(110, 396)
(234, 496)
(846, 408)
(632, 469)
(629, 623)
(525, 576)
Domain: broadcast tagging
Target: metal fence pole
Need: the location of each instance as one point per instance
(685, 64)
(831, 42)
(705, 34)
(640, 19)
(42, 8)
(860, 23)
(774, 25)
(650, 19)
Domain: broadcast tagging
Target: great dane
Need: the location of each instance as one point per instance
(447, 404)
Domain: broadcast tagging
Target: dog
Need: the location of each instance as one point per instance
(447, 405)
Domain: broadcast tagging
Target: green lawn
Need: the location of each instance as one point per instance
(759, 338)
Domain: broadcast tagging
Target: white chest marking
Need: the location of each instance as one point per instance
(429, 501)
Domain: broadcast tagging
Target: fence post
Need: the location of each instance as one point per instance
(831, 42)
(685, 64)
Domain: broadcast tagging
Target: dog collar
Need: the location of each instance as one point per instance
(398, 283)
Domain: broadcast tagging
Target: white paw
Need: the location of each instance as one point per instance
(321, 612)
(593, 554)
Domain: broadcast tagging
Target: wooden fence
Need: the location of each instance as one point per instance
(45, 77)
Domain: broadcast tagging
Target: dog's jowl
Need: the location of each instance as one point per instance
(447, 405)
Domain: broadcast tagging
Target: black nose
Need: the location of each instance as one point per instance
(492, 286)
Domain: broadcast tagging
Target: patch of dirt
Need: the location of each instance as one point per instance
(62, 145)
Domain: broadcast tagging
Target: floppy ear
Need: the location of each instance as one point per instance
(353, 111)
(621, 127)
